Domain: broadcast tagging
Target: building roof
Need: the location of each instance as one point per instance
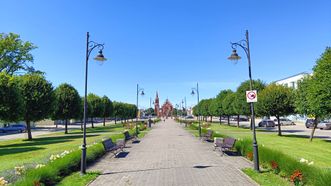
(302, 73)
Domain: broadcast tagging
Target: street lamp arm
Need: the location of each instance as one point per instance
(242, 44)
(92, 45)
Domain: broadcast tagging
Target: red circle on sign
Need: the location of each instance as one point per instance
(251, 95)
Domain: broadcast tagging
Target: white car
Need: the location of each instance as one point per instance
(284, 121)
(324, 125)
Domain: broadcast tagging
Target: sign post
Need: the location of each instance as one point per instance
(251, 96)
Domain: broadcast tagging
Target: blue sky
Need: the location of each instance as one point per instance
(169, 45)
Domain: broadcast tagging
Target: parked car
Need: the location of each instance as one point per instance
(267, 123)
(324, 125)
(189, 117)
(284, 121)
(241, 118)
(309, 123)
(14, 128)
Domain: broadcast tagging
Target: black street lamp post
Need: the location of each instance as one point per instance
(244, 44)
(141, 92)
(90, 46)
(198, 96)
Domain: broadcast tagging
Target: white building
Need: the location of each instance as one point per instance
(292, 81)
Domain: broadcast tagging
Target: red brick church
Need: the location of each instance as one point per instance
(166, 109)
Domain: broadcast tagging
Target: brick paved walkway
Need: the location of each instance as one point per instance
(167, 155)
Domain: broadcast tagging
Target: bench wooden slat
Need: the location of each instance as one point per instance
(110, 146)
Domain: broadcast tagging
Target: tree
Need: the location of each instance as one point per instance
(313, 96)
(37, 96)
(94, 107)
(15, 54)
(10, 99)
(227, 105)
(219, 99)
(107, 108)
(67, 104)
(149, 112)
(276, 100)
(241, 104)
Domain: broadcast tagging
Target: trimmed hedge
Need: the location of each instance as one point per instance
(55, 170)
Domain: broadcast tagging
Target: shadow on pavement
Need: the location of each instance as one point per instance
(122, 155)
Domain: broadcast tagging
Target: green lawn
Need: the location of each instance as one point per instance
(78, 180)
(297, 147)
(18, 152)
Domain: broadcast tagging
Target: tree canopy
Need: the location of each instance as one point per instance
(10, 99)
(276, 100)
(37, 96)
(67, 103)
(15, 54)
(107, 108)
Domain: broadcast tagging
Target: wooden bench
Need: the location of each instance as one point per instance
(208, 136)
(110, 146)
(128, 137)
(226, 144)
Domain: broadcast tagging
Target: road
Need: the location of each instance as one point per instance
(298, 129)
(42, 131)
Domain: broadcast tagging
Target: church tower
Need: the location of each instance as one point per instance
(157, 105)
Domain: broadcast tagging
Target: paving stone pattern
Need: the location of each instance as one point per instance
(170, 155)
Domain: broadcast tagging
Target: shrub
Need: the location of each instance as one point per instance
(53, 172)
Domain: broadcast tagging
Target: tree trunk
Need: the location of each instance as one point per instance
(81, 125)
(104, 121)
(228, 120)
(28, 127)
(220, 119)
(92, 123)
(279, 129)
(115, 120)
(66, 126)
(211, 119)
(238, 117)
(313, 131)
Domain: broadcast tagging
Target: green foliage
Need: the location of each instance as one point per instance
(15, 54)
(124, 110)
(55, 170)
(276, 100)
(313, 96)
(10, 99)
(220, 110)
(149, 111)
(241, 105)
(94, 106)
(37, 96)
(227, 104)
(67, 103)
(266, 178)
(319, 96)
(107, 109)
(79, 180)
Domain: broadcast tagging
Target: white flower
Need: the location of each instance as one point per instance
(311, 163)
(19, 170)
(39, 166)
(64, 153)
(302, 160)
(3, 182)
